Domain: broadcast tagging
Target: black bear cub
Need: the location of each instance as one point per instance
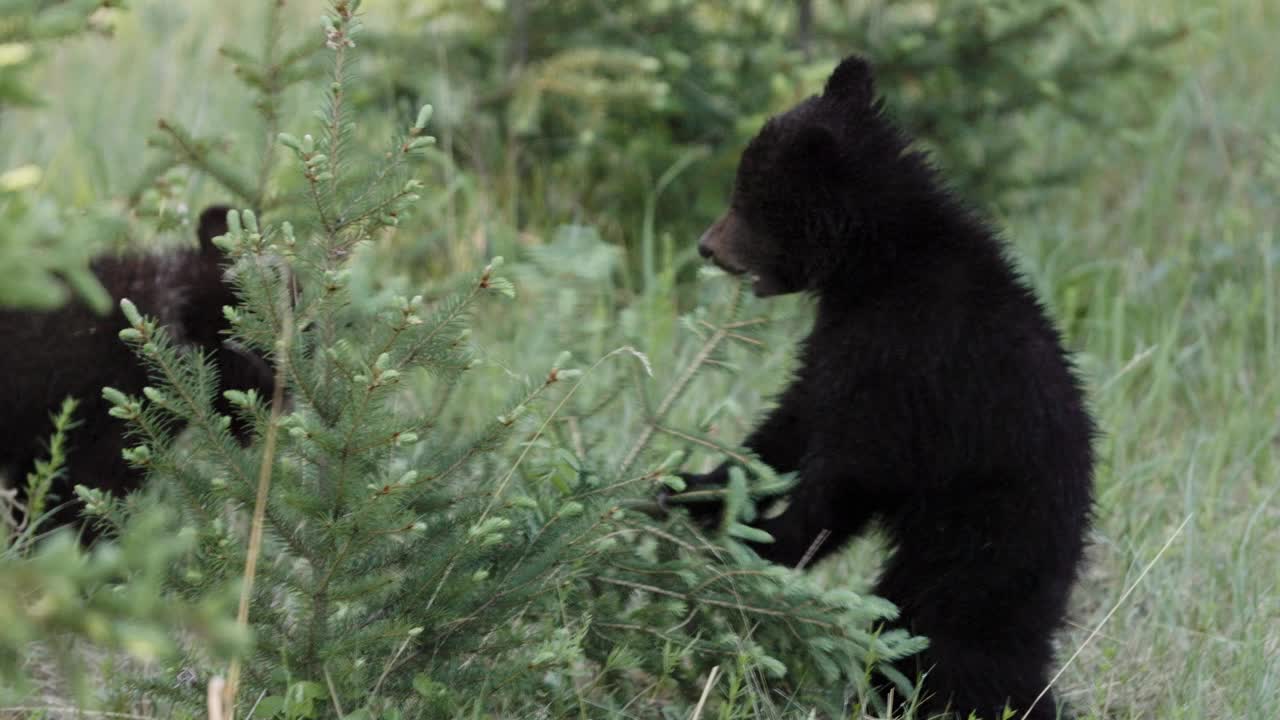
(933, 395)
(74, 351)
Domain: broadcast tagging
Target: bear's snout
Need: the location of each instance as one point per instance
(708, 243)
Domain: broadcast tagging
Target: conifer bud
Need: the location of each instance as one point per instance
(674, 482)
(234, 229)
(424, 116)
(138, 455)
(114, 396)
(238, 398)
(131, 312)
(524, 501)
(488, 526)
(227, 243)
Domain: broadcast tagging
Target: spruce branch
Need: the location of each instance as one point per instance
(154, 346)
(705, 442)
(40, 480)
(203, 154)
(553, 377)
(340, 26)
(158, 351)
(700, 359)
(413, 143)
(731, 604)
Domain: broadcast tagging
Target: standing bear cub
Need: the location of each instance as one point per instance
(73, 351)
(933, 395)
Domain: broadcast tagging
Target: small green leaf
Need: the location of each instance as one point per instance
(268, 707)
(426, 687)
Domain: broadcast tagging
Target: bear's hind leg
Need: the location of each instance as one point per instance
(983, 681)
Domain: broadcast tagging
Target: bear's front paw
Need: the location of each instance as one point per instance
(701, 497)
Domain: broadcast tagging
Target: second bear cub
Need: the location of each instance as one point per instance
(73, 351)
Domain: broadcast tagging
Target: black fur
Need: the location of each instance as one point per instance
(933, 395)
(74, 351)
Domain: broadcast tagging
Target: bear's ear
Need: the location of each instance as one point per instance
(852, 83)
(213, 222)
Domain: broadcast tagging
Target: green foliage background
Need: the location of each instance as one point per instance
(1157, 252)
